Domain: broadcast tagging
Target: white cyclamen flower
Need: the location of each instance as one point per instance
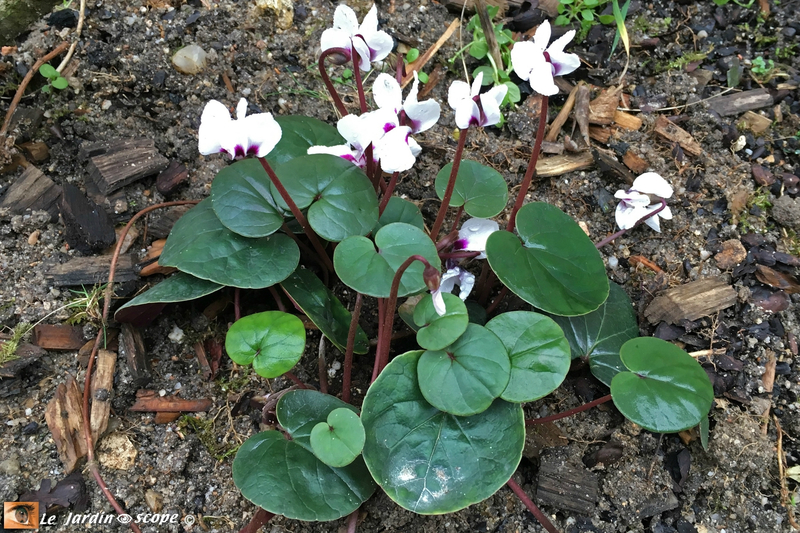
(473, 108)
(473, 235)
(370, 43)
(539, 64)
(419, 116)
(247, 135)
(644, 197)
(359, 132)
(454, 276)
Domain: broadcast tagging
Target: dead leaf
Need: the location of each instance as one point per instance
(777, 279)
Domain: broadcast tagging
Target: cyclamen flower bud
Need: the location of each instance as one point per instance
(432, 278)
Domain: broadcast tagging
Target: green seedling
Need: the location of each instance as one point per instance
(54, 79)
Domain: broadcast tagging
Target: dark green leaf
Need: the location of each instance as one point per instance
(299, 133)
(200, 245)
(555, 268)
(479, 49)
(431, 462)
(298, 411)
(400, 210)
(480, 189)
(370, 272)
(666, 390)
(273, 341)
(488, 75)
(341, 198)
(513, 95)
(599, 335)
(438, 332)
(180, 287)
(538, 351)
(340, 439)
(466, 377)
(241, 198)
(324, 309)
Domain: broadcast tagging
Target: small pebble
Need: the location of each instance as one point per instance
(33, 238)
(189, 59)
(178, 386)
(106, 105)
(162, 393)
(613, 262)
(176, 335)
(704, 254)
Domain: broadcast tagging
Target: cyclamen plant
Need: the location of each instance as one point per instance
(441, 427)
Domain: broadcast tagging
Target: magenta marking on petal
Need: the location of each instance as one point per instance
(388, 127)
(460, 244)
(239, 151)
(349, 157)
(252, 150)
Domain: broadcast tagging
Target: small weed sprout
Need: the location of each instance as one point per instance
(8, 349)
(54, 79)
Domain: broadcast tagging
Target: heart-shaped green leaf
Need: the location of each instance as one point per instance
(298, 134)
(273, 341)
(599, 335)
(180, 287)
(555, 268)
(466, 377)
(437, 332)
(200, 245)
(665, 390)
(339, 440)
(431, 462)
(370, 272)
(400, 210)
(285, 477)
(341, 200)
(324, 309)
(480, 189)
(539, 354)
(241, 198)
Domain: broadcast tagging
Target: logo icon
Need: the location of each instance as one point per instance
(21, 515)
(124, 518)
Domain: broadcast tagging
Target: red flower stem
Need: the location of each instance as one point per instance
(362, 99)
(352, 522)
(400, 68)
(447, 240)
(381, 339)
(297, 214)
(485, 282)
(565, 414)
(526, 181)
(387, 195)
(372, 172)
(278, 300)
(296, 380)
(259, 519)
(496, 302)
(463, 254)
(531, 506)
(388, 319)
(348, 354)
(457, 218)
(622, 232)
(237, 310)
(331, 89)
(323, 370)
(451, 184)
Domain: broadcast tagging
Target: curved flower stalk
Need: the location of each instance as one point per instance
(473, 108)
(645, 197)
(538, 63)
(370, 43)
(247, 135)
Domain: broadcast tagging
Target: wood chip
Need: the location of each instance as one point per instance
(768, 377)
(755, 122)
(171, 177)
(150, 260)
(58, 337)
(131, 346)
(567, 487)
(563, 115)
(150, 401)
(561, 164)
(738, 103)
(114, 164)
(600, 134)
(27, 354)
(634, 162)
(732, 254)
(102, 388)
(88, 228)
(627, 121)
(603, 108)
(37, 150)
(32, 190)
(539, 437)
(90, 271)
(608, 164)
(64, 418)
(674, 133)
(691, 301)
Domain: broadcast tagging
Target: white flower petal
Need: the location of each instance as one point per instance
(477, 83)
(336, 38)
(466, 282)
(342, 150)
(422, 115)
(542, 36)
(414, 146)
(370, 23)
(654, 222)
(449, 279)
(474, 233)
(490, 103)
(262, 132)
(652, 183)
(541, 78)
(633, 198)
(387, 93)
(214, 123)
(438, 301)
(666, 213)
(467, 113)
(523, 57)
(627, 215)
(394, 151)
(241, 109)
(345, 18)
(360, 46)
(380, 45)
(559, 44)
(457, 93)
